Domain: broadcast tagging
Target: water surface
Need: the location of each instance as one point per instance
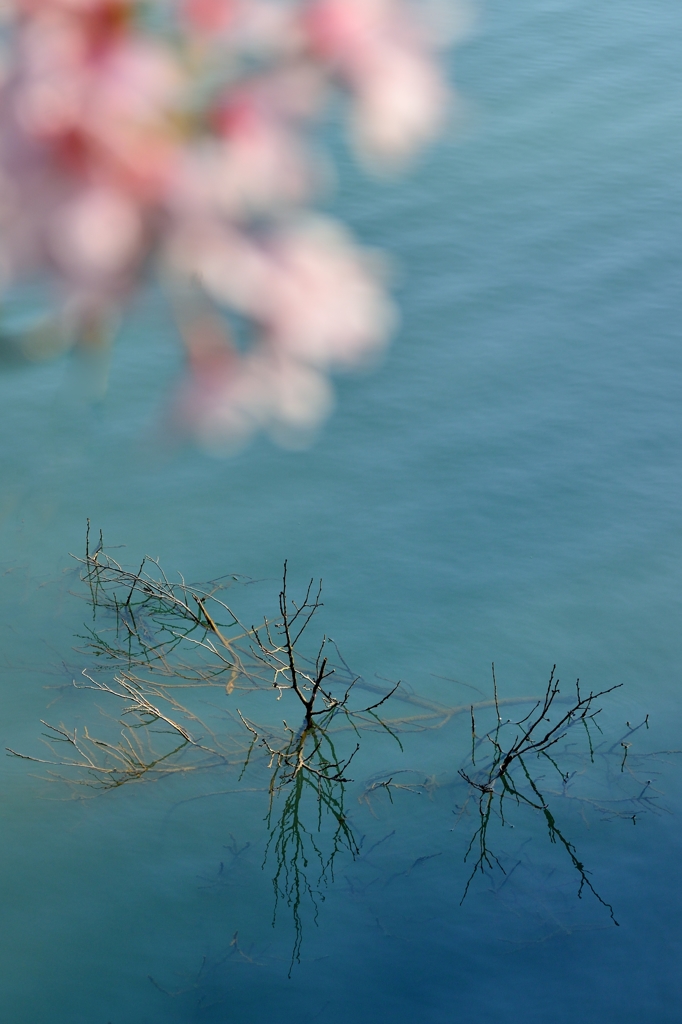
(505, 487)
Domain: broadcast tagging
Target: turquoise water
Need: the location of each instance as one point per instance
(505, 487)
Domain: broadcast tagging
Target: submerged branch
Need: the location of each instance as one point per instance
(521, 744)
(155, 638)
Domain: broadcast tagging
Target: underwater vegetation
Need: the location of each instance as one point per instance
(182, 684)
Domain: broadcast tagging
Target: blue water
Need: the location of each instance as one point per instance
(506, 487)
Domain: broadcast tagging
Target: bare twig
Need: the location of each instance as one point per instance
(513, 743)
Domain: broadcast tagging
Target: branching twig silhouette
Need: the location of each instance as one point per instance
(160, 636)
(307, 821)
(154, 637)
(517, 744)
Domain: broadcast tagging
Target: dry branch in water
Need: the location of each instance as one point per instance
(171, 655)
(509, 755)
(308, 771)
(162, 637)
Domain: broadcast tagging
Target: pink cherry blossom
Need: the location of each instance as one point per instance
(176, 134)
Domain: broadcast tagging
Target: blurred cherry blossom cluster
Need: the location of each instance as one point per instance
(176, 134)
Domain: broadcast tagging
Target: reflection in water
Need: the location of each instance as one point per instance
(309, 768)
(532, 736)
(171, 644)
(167, 637)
